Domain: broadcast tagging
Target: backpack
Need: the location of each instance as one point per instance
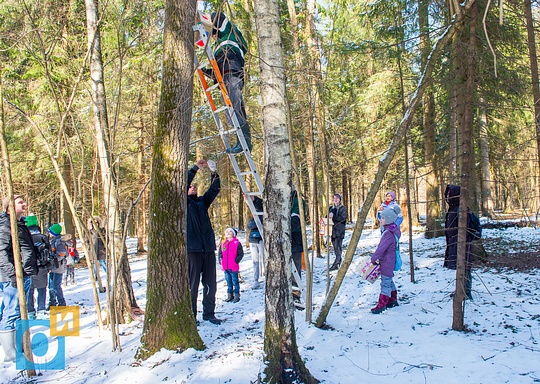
(399, 262)
(43, 248)
(475, 228)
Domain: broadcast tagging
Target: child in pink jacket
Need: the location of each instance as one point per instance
(230, 254)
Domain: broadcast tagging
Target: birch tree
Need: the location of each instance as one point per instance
(284, 362)
(122, 289)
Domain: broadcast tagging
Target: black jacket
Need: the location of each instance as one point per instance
(26, 244)
(339, 219)
(451, 228)
(200, 235)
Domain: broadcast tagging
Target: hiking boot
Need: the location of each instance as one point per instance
(213, 319)
(229, 297)
(335, 265)
(236, 298)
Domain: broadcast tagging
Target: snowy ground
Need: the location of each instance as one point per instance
(413, 343)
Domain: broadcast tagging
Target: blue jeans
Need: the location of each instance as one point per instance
(387, 285)
(56, 295)
(11, 311)
(257, 256)
(41, 299)
(233, 285)
(234, 87)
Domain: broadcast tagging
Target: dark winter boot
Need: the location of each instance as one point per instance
(381, 305)
(247, 136)
(335, 265)
(229, 297)
(236, 298)
(393, 300)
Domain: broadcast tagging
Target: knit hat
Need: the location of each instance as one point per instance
(55, 229)
(232, 230)
(390, 214)
(31, 220)
(391, 193)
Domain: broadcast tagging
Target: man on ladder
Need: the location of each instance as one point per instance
(229, 51)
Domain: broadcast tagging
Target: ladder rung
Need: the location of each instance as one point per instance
(247, 173)
(221, 109)
(230, 131)
(212, 87)
(257, 193)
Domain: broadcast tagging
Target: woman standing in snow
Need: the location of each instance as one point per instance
(230, 254)
(385, 255)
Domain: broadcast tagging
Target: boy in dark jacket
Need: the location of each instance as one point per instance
(8, 281)
(201, 242)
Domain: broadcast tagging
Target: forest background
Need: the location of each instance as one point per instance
(351, 70)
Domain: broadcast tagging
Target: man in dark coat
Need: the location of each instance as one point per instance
(201, 242)
(451, 195)
(338, 214)
(8, 281)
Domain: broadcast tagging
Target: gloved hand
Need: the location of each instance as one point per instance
(14, 282)
(212, 165)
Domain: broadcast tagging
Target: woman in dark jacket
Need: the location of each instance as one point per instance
(338, 214)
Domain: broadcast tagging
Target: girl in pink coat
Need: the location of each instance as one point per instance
(230, 254)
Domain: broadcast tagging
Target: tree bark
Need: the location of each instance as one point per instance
(169, 321)
(487, 199)
(533, 58)
(284, 364)
(467, 161)
(433, 210)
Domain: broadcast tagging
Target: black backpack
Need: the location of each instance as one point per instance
(43, 248)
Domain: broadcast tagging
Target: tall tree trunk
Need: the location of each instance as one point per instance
(122, 289)
(284, 364)
(487, 199)
(533, 58)
(141, 207)
(433, 211)
(169, 321)
(66, 212)
(467, 161)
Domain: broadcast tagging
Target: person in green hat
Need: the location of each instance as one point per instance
(59, 250)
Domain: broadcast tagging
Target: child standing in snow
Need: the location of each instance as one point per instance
(390, 201)
(72, 257)
(385, 255)
(230, 254)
